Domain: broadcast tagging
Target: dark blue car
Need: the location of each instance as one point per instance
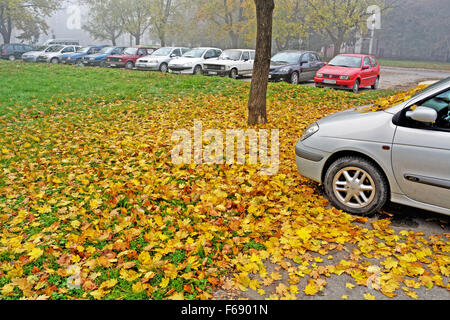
(77, 57)
(99, 58)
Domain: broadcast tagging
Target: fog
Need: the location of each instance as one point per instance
(410, 29)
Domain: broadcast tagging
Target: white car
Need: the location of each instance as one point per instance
(233, 63)
(192, 61)
(33, 55)
(54, 54)
(159, 60)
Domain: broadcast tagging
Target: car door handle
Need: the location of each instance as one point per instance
(440, 183)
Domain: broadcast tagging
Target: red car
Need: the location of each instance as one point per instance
(350, 71)
(129, 56)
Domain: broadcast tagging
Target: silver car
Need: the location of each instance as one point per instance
(402, 154)
(159, 60)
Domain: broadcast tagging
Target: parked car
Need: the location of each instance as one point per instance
(99, 58)
(33, 55)
(129, 57)
(14, 51)
(77, 57)
(294, 66)
(63, 42)
(366, 158)
(350, 71)
(54, 54)
(233, 63)
(159, 60)
(192, 61)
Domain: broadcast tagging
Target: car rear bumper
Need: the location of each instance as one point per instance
(310, 161)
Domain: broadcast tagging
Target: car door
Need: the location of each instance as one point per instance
(421, 155)
(367, 73)
(246, 64)
(305, 67)
(317, 64)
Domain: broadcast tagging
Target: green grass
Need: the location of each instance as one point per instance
(31, 90)
(28, 86)
(415, 64)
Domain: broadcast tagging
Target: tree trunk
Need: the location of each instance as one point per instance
(257, 105)
(337, 46)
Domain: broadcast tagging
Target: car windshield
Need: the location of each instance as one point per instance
(231, 55)
(55, 49)
(194, 53)
(131, 51)
(346, 61)
(287, 57)
(162, 52)
(106, 50)
(435, 85)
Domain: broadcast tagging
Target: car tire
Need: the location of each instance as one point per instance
(234, 74)
(129, 65)
(12, 58)
(376, 85)
(294, 79)
(355, 88)
(163, 68)
(347, 192)
(198, 70)
(54, 61)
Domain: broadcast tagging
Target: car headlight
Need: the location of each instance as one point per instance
(286, 69)
(310, 131)
(344, 77)
(319, 75)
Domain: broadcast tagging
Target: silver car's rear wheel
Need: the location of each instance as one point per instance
(356, 185)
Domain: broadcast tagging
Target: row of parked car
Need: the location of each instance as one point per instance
(346, 71)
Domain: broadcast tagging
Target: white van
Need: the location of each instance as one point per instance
(62, 42)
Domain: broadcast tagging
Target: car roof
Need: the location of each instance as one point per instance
(355, 55)
(240, 49)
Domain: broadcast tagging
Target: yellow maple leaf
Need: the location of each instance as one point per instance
(311, 288)
(35, 254)
(368, 296)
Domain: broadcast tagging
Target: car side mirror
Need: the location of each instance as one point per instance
(325, 63)
(366, 67)
(423, 114)
(303, 62)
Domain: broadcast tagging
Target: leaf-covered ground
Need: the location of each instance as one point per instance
(91, 206)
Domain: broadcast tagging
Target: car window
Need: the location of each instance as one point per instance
(440, 103)
(142, 52)
(184, 50)
(367, 62)
(373, 61)
(252, 55)
(209, 54)
(311, 57)
(177, 52)
(68, 49)
(317, 57)
(246, 56)
(217, 53)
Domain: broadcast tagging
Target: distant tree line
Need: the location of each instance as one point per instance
(410, 28)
